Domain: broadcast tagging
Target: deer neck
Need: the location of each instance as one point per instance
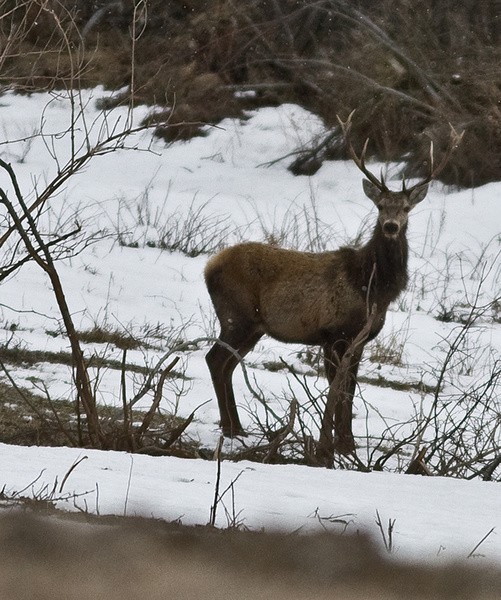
(384, 266)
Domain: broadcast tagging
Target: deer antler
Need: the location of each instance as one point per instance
(454, 141)
(359, 160)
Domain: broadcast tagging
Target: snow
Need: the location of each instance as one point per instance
(222, 183)
(434, 517)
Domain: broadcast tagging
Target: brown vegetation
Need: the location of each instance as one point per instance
(407, 73)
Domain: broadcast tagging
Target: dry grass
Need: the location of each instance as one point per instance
(28, 418)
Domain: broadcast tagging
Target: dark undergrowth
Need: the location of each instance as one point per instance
(204, 61)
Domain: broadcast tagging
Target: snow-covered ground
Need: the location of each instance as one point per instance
(434, 517)
(219, 189)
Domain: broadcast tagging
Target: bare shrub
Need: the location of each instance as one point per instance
(193, 232)
(27, 235)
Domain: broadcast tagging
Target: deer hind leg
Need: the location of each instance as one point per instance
(222, 362)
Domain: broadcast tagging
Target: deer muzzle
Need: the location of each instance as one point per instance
(391, 228)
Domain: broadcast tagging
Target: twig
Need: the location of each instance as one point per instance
(333, 519)
(387, 541)
(156, 399)
(472, 553)
(213, 508)
(282, 433)
(70, 470)
(125, 409)
(129, 480)
(29, 484)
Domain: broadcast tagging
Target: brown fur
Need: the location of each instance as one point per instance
(311, 298)
(53, 559)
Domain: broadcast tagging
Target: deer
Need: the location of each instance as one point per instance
(321, 299)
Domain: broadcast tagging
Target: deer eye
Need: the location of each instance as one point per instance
(407, 209)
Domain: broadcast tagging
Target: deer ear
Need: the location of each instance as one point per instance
(418, 194)
(371, 190)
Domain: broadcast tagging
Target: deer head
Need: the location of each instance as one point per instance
(394, 206)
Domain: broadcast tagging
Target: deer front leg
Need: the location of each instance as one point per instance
(338, 412)
(344, 442)
(341, 363)
(325, 449)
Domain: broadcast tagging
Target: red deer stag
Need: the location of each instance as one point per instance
(321, 299)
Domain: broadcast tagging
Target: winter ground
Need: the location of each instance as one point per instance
(216, 190)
